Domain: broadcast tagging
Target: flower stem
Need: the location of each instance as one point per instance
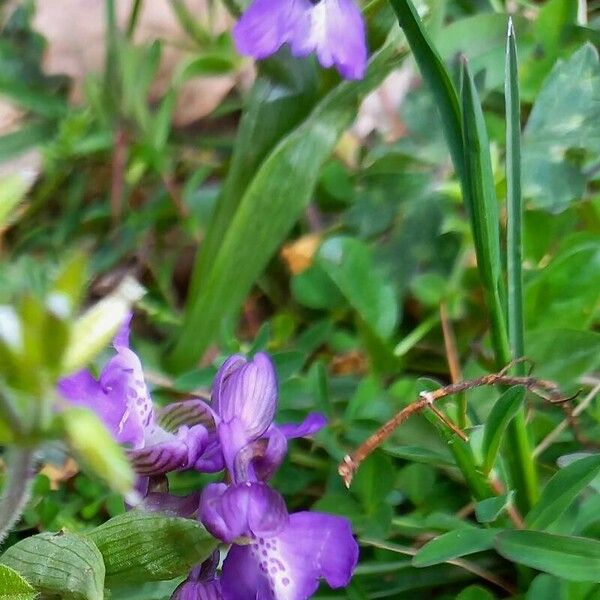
(20, 465)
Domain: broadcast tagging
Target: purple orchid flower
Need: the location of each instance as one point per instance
(244, 400)
(122, 401)
(275, 556)
(333, 29)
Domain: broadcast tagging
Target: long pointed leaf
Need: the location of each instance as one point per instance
(436, 75)
(272, 203)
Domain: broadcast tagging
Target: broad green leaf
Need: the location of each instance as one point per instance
(572, 558)
(560, 294)
(97, 448)
(563, 355)
(562, 490)
(92, 332)
(269, 207)
(455, 544)
(503, 411)
(549, 587)
(565, 118)
(13, 586)
(66, 564)
(489, 510)
(349, 264)
(139, 547)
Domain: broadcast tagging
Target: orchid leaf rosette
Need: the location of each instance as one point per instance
(121, 399)
(273, 554)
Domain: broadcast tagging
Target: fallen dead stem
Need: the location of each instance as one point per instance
(547, 390)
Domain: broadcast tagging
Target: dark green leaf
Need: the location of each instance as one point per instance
(139, 547)
(489, 510)
(350, 266)
(435, 74)
(475, 592)
(66, 564)
(562, 490)
(455, 544)
(572, 558)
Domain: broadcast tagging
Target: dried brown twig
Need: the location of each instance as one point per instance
(547, 390)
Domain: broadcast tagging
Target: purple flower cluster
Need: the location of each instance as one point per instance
(273, 555)
(333, 29)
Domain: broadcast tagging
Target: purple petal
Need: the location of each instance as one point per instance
(166, 452)
(202, 582)
(335, 30)
(242, 576)
(260, 459)
(81, 389)
(121, 339)
(246, 391)
(266, 25)
(187, 412)
(314, 422)
(289, 565)
(243, 510)
(211, 460)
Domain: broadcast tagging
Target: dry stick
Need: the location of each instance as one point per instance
(547, 390)
(551, 437)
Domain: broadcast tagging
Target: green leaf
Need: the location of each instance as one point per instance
(563, 355)
(97, 448)
(139, 547)
(480, 198)
(489, 510)
(12, 190)
(565, 117)
(572, 558)
(560, 294)
(562, 490)
(281, 98)
(66, 564)
(475, 592)
(350, 266)
(435, 74)
(269, 207)
(514, 199)
(503, 411)
(13, 586)
(455, 544)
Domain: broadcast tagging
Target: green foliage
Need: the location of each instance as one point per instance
(72, 565)
(463, 207)
(13, 586)
(138, 547)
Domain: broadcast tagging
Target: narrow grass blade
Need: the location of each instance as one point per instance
(480, 197)
(514, 200)
(436, 75)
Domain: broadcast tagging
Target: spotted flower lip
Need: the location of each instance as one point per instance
(278, 556)
(333, 29)
(121, 399)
